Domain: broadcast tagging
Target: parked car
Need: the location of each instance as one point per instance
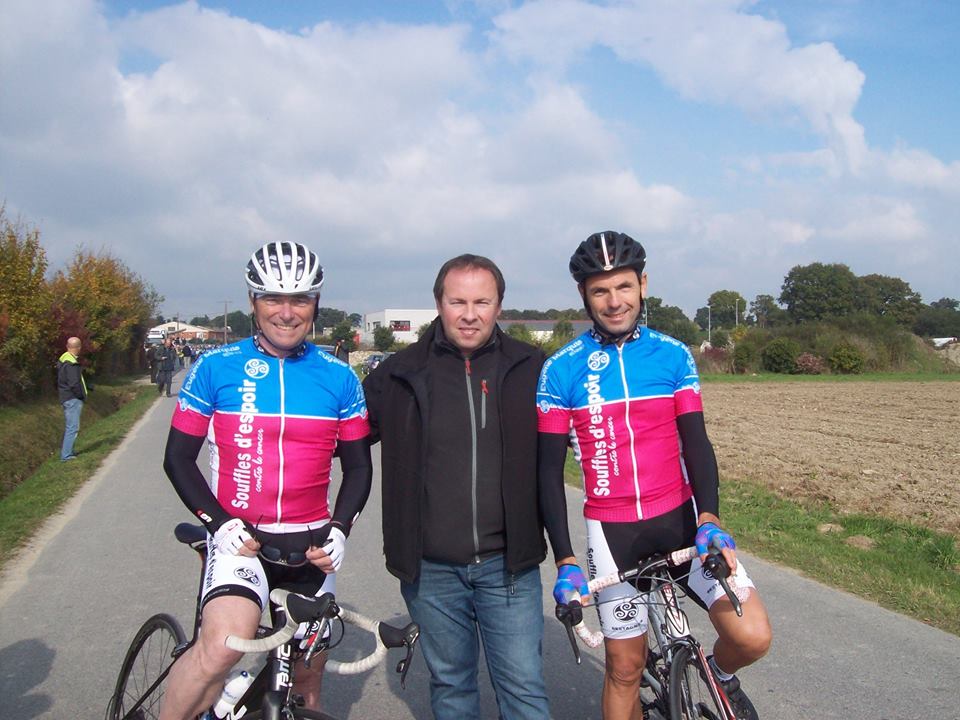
(373, 361)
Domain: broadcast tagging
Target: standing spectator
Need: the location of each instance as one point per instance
(180, 353)
(462, 530)
(166, 359)
(187, 354)
(72, 389)
(150, 351)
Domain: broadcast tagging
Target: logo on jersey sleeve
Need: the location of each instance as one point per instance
(598, 360)
(256, 368)
(544, 407)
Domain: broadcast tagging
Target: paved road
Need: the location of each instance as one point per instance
(69, 608)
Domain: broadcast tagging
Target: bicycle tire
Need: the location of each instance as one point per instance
(293, 714)
(691, 697)
(149, 656)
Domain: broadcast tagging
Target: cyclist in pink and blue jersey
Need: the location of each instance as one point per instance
(627, 399)
(273, 409)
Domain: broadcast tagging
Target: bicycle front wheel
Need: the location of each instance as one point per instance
(142, 678)
(691, 695)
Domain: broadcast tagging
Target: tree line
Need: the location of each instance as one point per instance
(95, 297)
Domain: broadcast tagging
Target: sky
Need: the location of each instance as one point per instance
(735, 139)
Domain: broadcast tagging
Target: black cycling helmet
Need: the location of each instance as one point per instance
(606, 251)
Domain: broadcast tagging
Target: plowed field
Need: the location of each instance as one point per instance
(891, 448)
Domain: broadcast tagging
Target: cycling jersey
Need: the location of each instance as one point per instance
(620, 406)
(272, 426)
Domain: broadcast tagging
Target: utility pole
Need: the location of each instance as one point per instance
(736, 312)
(709, 324)
(225, 303)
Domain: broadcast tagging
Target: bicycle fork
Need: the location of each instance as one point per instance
(676, 627)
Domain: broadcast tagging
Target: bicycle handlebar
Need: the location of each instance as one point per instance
(571, 614)
(300, 608)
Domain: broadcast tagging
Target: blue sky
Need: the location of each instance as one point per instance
(734, 139)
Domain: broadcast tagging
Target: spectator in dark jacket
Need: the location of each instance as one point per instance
(166, 359)
(456, 417)
(72, 389)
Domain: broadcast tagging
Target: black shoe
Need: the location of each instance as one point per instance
(742, 707)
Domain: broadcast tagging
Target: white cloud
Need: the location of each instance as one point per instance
(918, 168)
(390, 148)
(708, 50)
(878, 221)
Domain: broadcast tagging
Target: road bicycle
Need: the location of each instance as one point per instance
(160, 641)
(677, 682)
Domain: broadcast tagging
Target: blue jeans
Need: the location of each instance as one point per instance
(71, 414)
(457, 606)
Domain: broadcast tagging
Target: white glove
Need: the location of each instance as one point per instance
(230, 536)
(335, 546)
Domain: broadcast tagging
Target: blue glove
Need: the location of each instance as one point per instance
(710, 535)
(570, 581)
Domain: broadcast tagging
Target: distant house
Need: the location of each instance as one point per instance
(403, 323)
(183, 331)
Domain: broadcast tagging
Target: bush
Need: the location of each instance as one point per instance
(715, 360)
(847, 359)
(780, 356)
(719, 338)
(745, 358)
(810, 364)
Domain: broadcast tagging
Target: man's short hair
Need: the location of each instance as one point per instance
(469, 262)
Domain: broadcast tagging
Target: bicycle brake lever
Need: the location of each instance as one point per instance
(404, 665)
(410, 642)
(732, 595)
(718, 567)
(569, 615)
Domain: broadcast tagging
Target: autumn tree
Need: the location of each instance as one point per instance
(26, 324)
(111, 302)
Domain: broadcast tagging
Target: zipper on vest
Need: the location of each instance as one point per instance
(473, 461)
(483, 404)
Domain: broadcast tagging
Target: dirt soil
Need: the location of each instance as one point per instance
(874, 447)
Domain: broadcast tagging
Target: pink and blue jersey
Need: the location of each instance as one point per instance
(272, 426)
(620, 406)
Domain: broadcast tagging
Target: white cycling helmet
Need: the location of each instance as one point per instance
(284, 268)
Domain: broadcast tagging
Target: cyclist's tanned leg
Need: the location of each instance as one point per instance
(625, 659)
(196, 679)
(741, 641)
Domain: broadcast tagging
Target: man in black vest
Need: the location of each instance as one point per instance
(455, 414)
(166, 359)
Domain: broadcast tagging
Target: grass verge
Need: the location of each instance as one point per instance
(43, 492)
(864, 377)
(909, 569)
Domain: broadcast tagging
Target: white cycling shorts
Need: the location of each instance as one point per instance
(250, 577)
(621, 611)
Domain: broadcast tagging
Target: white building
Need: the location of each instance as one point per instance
(403, 323)
(185, 331)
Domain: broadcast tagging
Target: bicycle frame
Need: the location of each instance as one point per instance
(271, 690)
(667, 623)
